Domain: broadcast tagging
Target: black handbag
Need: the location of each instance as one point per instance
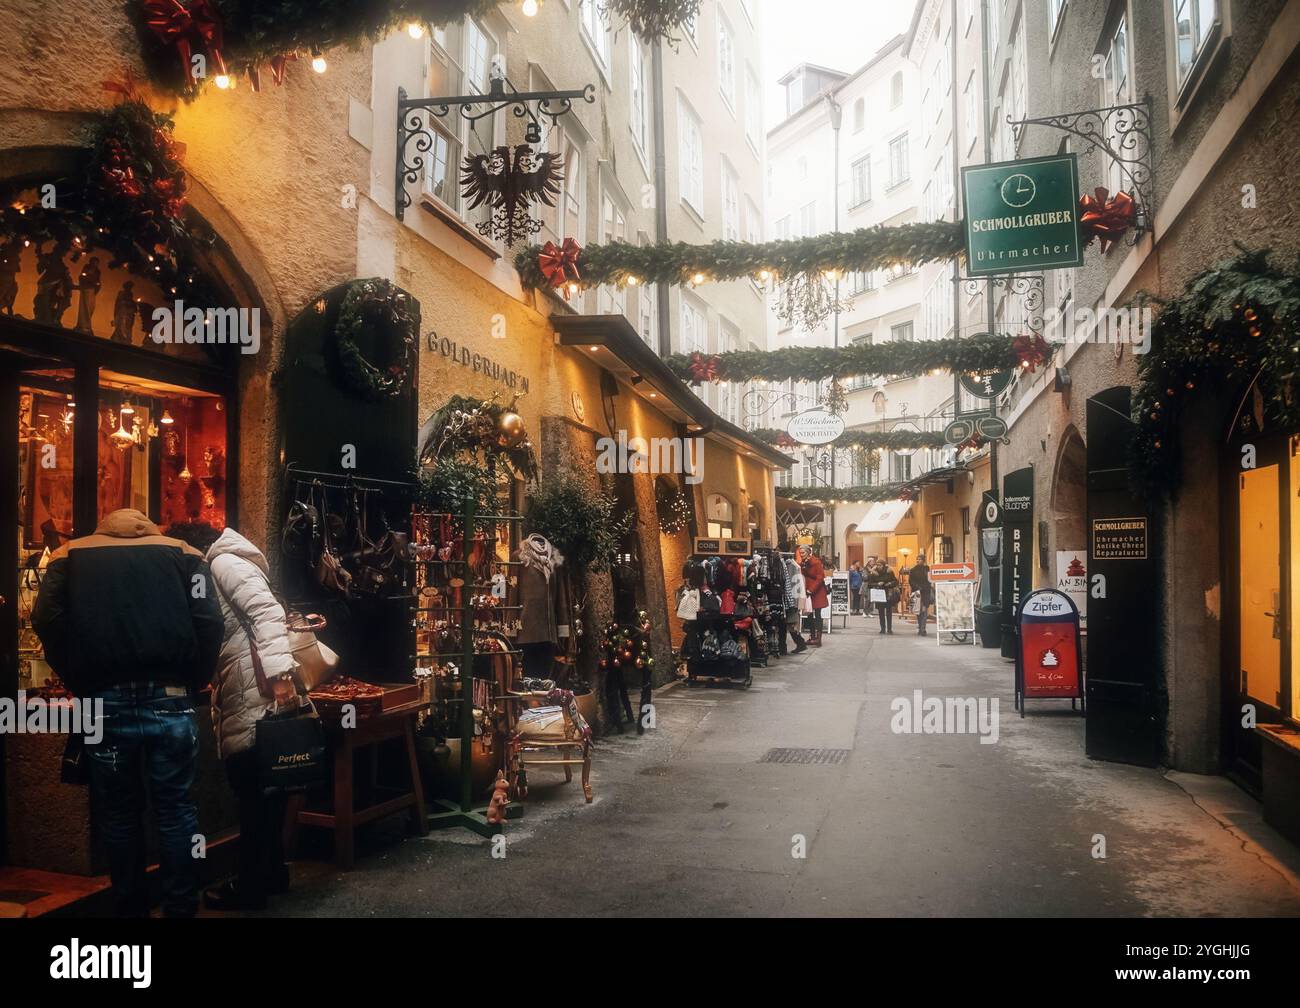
(289, 745)
(290, 748)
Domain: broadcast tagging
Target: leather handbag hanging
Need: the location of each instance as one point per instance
(330, 572)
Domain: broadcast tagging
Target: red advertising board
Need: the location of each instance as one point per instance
(1048, 656)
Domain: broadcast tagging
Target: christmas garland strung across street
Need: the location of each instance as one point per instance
(376, 306)
(870, 493)
(470, 427)
(894, 440)
(620, 263)
(128, 200)
(244, 36)
(1233, 333)
(900, 359)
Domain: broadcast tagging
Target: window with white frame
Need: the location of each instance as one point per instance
(572, 193)
(730, 203)
(726, 61)
(899, 168)
(1116, 89)
(862, 281)
(460, 61)
(902, 332)
(753, 109)
(595, 28)
(807, 220)
(879, 404)
(859, 115)
(647, 303)
(639, 95)
(690, 156)
(729, 393)
(1018, 99)
(695, 327)
(753, 222)
(995, 25)
(612, 299)
(896, 90)
(1055, 8)
(860, 181)
(1194, 21)
(782, 228)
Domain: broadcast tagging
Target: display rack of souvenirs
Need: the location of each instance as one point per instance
(722, 634)
(764, 576)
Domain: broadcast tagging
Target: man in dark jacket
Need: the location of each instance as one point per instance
(129, 621)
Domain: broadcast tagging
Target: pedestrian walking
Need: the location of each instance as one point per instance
(128, 620)
(919, 580)
(253, 619)
(855, 589)
(883, 580)
(796, 594)
(814, 576)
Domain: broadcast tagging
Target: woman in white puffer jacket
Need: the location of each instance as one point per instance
(244, 593)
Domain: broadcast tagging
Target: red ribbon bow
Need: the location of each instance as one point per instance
(186, 28)
(559, 263)
(703, 368)
(1105, 217)
(1032, 350)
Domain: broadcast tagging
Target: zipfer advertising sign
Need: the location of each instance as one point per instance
(1022, 215)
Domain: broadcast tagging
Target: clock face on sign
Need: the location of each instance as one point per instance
(1018, 190)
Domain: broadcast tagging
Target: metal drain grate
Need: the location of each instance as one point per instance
(814, 757)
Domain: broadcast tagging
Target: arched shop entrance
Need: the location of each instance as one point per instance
(1068, 567)
(95, 415)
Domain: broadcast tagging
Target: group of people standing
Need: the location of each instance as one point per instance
(138, 622)
(875, 576)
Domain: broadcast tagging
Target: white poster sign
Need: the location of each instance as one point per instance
(1072, 580)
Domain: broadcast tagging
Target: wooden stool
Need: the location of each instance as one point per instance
(398, 723)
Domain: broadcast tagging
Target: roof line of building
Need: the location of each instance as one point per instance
(879, 55)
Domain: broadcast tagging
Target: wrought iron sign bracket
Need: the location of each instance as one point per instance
(1123, 133)
(415, 136)
(1028, 286)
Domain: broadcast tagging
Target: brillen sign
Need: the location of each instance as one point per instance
(1022, 215)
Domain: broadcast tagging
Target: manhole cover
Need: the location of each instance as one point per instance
(817, 757)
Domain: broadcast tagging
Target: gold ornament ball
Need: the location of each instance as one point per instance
(510, 430)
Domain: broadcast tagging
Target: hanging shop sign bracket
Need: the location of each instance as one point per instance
(415, 136)
(1122, 133)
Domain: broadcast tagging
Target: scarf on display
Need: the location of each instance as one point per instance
(537, 552)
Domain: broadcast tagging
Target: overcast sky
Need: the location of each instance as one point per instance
(841, 34)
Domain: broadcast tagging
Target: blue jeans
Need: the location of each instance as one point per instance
(149, 731)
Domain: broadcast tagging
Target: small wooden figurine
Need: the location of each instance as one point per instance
(496, 810)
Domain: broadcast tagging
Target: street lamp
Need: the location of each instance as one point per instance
(837, 120)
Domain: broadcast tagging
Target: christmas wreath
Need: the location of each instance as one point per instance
(379, 307)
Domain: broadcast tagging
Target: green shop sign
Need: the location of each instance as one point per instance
(1022, 215)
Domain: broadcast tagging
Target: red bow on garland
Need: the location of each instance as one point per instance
(559, 263)
(703, 368)
(1032, 350)
(187, 28)
(1105, 217)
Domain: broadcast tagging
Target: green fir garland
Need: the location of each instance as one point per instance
(1232, 333)
(870, 493)
(680, 263)
(901, 359)
(894, 440)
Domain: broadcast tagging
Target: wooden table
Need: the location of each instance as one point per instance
(369, 733)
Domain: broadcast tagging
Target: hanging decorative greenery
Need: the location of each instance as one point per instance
(619, 263)
(652, 19)
(478, 429)
(805, 301)
(510, 183)
(450, 484)
(127, 199)
(1234, 332)
(901, 359)
(672, 506)
(894, 440)
(241, 36)
(386, 312)
(627, 646)
(869, 493)
(585, 526)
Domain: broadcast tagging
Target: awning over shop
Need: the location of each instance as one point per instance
(883, 517)
(794, 512)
